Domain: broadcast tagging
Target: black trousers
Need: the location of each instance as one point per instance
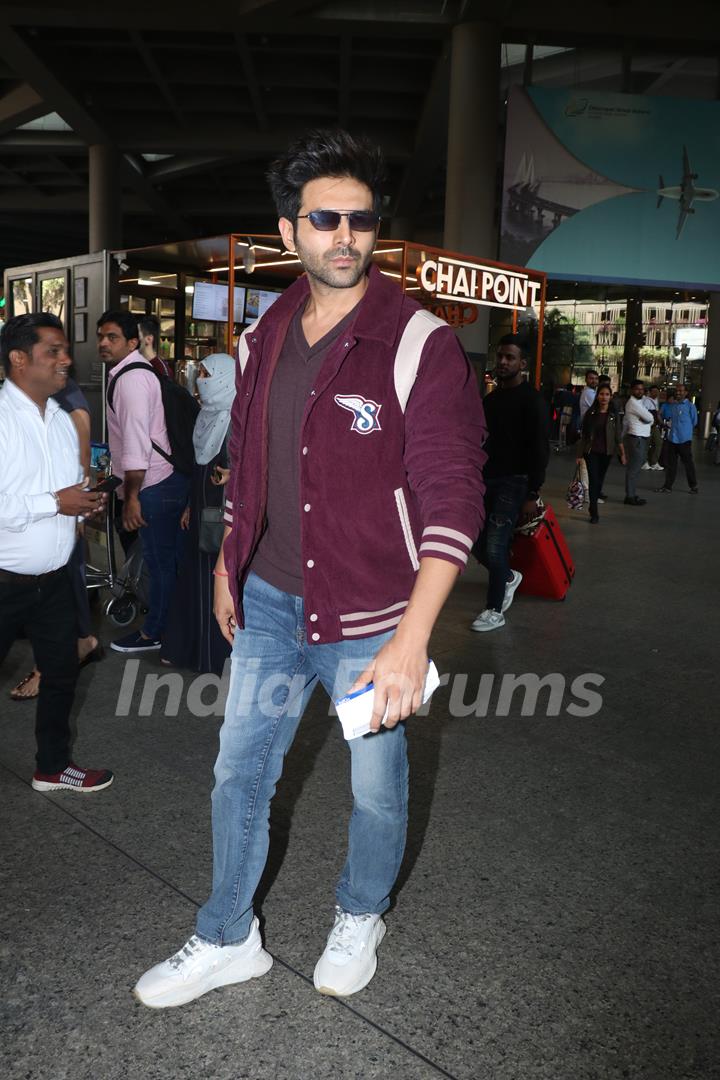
(76, 570)
(683, 452)
(597, 466)
(504, 498)
(46, 611)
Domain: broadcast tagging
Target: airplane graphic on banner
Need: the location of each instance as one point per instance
(686, 193)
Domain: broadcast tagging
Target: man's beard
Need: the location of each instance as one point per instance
(318, 266)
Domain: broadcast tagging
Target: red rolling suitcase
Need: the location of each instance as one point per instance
(544, 560)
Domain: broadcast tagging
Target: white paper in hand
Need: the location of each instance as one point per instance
(355, 710)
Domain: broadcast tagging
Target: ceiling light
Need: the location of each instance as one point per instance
(280, 262)
(248, 259)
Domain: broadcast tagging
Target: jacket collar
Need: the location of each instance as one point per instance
(377, 318)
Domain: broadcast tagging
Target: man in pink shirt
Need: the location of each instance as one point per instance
(154, 494)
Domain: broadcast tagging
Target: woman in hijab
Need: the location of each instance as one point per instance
(192, 638)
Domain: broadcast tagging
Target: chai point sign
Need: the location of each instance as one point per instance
(465, 282)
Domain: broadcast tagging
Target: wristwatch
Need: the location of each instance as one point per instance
(57, 501)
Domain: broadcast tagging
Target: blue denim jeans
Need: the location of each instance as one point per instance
(504, 498)
(162, 506)
(273, 673)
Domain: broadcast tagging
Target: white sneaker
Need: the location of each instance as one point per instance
(199, 967)
(646, 466)
(489, 620)
(349, 960)
(510, 589)
(658, 468)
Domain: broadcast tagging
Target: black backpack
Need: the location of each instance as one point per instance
(181, 410)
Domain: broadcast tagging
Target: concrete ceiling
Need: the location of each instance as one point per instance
(198, 98)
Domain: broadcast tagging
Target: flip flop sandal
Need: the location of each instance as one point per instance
(23, 682)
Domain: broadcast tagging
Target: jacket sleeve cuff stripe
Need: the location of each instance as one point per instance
(227, 518)
(433, 548)
(450, 534)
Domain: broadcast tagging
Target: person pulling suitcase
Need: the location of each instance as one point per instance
(518, 449)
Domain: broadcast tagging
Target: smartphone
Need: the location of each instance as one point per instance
(108, 484)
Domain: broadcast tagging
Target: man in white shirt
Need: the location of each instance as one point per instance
(589, 391)
(638, 425)
(40, 501)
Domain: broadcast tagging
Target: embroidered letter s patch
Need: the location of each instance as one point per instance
(365, 412)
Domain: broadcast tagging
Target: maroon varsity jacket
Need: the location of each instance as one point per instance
(390, 459)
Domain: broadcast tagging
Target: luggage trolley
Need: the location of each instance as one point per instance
(129, 585)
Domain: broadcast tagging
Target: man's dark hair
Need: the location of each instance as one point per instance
(518, 341)
(21, 332)
(124, 319)
(591, 373)
(636, 382)
(320, 153)
(149, 324)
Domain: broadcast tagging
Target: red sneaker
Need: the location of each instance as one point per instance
(73, 778)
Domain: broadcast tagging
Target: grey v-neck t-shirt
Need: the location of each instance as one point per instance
(278, 559)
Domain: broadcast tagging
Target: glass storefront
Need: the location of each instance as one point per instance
(624, 332)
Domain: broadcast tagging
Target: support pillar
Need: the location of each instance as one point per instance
(711, 368)
(472, 154)
(633, 341)
(104, 198)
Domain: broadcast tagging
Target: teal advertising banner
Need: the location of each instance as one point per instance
(612, 187)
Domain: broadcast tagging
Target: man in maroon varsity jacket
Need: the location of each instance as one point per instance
(354, 499)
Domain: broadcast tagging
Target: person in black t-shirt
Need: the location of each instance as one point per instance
(518, 448)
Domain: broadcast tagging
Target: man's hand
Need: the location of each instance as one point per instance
(224, 609)
(530, 510)
(132, 518)
(219, 476)
(75, 502)
(398, 671)
(185, 519)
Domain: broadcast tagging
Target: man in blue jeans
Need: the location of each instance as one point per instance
(154, 494)
(518, 448)
(354, 497)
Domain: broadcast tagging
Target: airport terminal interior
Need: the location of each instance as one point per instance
(550, 170)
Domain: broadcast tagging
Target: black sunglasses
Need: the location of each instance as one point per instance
(329, 220)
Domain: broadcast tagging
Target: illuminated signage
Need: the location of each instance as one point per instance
(461, 282)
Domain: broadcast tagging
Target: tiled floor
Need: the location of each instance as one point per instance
(557, 912)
